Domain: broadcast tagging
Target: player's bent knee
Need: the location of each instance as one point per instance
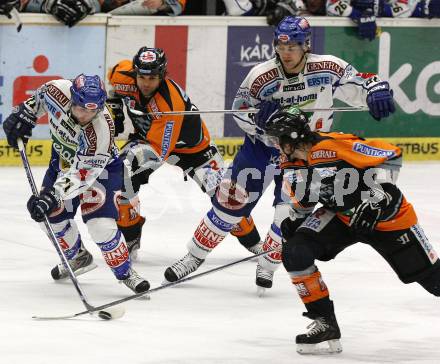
(297, 254)
(102, 229)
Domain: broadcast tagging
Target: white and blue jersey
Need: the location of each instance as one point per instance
(323, 79)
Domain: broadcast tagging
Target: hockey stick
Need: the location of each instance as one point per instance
(161, 287)
(50, 233)
(248, 111)
(15, 16)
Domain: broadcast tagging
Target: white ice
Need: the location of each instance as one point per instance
(213, 319)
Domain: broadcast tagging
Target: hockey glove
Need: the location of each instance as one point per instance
(43, 205)
(432, 8)
(266, 109)
(19, 125)
(141, 121)
(282, 9)
(380, 100)
(69, 12)
(289, 226)
(6, 6)
(366, 21)
(116, 107)
(369, 212)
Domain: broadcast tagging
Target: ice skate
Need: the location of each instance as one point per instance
(184, 266)
(322, 338)
(135, 282)
(256, 249)
(83, 263)
(263, 280)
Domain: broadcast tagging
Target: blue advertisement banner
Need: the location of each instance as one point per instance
(42, 53)
(248, 46)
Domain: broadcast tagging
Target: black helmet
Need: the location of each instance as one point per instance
(287, 121)
(290, 125)
(150, 61)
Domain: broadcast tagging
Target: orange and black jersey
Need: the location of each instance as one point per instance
(339, 170)
(169, 133)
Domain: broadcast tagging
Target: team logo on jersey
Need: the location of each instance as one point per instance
(318, 81)
(323, 154)
(166, 139)
(147, 57)
(91, 139)
(263, 80)
(231, 195)
(325, 66)
(295, 87)
(121, 87)
(57, 95)
(373, 152)
(270, 89)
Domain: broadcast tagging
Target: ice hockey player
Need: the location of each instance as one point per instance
(365, 12)
(294, 77)
(354, 180)
(84, 170)
(181, 140)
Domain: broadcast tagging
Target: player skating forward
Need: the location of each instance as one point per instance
(294, 77)
(354, 180)
(181, 140)
(84, 170)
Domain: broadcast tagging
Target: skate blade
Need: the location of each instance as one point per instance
(134, 255)
(261, 291)
(326, 347)
(79, 272)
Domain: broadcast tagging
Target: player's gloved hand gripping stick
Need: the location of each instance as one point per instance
(108, 314)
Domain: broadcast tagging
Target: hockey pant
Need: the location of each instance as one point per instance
(251, 172)
(99, 212)
(322, 236)
(206, 168)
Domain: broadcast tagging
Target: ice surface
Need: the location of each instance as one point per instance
(217, 318)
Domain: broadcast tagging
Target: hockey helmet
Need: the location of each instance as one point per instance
(150, 61)
(88, 92)
(290, 125)
(293, 29)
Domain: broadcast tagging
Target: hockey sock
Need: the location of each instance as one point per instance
(108, 237)
(68, 237)
(273, 240)
(246, 232)
(310, 287)
(129, 212)
(213, 228)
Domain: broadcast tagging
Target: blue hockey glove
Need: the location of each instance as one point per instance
(19, 125)
(432, 8)
(43, 205)
(266, 109)
(380, 100)
(366, 21)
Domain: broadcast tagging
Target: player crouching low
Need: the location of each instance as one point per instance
(354, 180)
(84, 170)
